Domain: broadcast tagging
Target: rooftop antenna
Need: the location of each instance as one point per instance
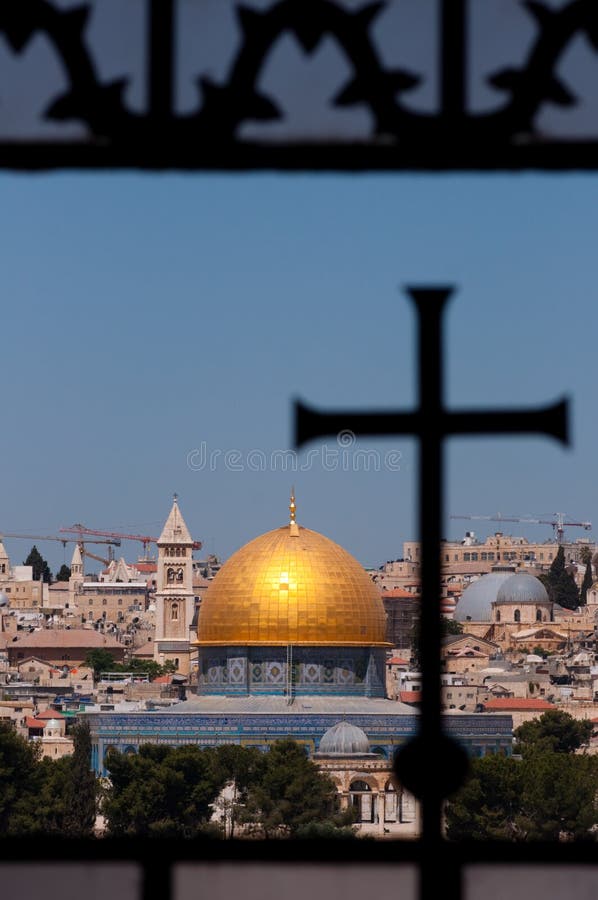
(293, 507)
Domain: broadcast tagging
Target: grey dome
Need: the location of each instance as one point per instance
(475, 603)
(522, 589)
(4, 601)
(344, 739)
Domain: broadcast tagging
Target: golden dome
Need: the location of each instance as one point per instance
(292, 586)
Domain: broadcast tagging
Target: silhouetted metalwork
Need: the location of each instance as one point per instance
(430, 765)
(209, 136)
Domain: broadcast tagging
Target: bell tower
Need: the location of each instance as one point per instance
(175, 600)
(4, 563)
(77, 577)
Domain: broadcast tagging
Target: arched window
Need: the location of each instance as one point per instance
(362, 800)
(360, 786)
(498, 615)
(538, 615)
(170, 576)
(517, 616)
(174, 612)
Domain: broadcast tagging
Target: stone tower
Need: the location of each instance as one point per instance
(4, 563)
(77, 577)
(175, 600)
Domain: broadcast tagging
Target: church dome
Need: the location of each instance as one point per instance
(522, 589)
(291, 586)
(475, 603)
(344, 739)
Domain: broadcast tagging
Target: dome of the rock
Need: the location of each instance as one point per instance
(292, 613)
(292, 586)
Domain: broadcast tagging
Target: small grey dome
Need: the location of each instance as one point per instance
(344, 739)
(475, 603)
(4, 601)
(522, 589)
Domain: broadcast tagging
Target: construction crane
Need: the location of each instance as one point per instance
(114, 542)
(558, 523)
(102, 559)
(81, 530)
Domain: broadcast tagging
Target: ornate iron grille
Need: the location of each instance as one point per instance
(204, 92)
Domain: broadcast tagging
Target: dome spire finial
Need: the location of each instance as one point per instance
(292, 507)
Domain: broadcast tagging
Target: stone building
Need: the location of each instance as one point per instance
(365, 781)
(48, 728)
(61, 646)
(402, 610)
(502, 604)
(24, 592)
(118, 597)
(470, 555)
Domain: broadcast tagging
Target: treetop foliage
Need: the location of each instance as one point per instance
(64, 573)
(44, 796)
(588, 581)
(101, 660)
(560, 584)
(556, 731)
(175, 791)
(548, 793)
(40, 567)
(544, 796)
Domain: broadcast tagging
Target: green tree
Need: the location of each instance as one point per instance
(144, 667)
(556, 731)
(53, 779)
(238, 768)
(588, 581)
(45, 796)
(486, 806)
(161, 791)
(546, 795)
(450, 626)
(82, 788)
(100, 660)
(585, 555)
(557, 566)
(566, 593)
(64, 573)
(39, 565)
(560, 584)
(558, 797)
(291, 794)
(19, 782)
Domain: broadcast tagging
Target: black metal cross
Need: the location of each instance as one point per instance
(431, 764)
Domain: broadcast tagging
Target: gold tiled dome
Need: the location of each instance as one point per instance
(292, 586)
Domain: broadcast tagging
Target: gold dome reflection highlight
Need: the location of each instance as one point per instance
(292, 586)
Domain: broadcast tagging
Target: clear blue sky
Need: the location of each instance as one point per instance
(146, 316)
